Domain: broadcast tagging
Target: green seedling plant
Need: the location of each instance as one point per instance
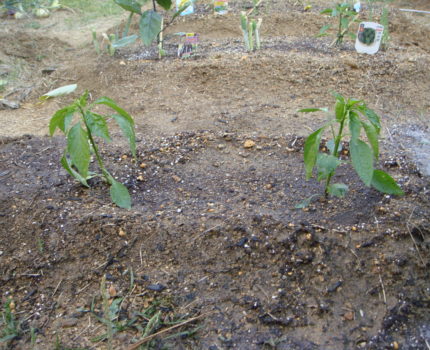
(81, 141)
(151, 23)
(346, 17)
(251, 28)
(111, 42)
(351, 117)
(251, 31)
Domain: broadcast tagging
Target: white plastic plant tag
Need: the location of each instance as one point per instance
(221, 7)
(369, 37)
(189, 10)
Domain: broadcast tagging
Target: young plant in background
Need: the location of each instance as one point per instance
(251, 31)
(151, 24)
(251, 27)
(81, 141)
(110, 42)
(346, 17)
(354, 116)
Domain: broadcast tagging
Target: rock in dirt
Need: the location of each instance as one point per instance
(66, 322)
(6, 104)
(157, 287)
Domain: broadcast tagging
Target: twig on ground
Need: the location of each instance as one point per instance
(152, 336)
(383, 289)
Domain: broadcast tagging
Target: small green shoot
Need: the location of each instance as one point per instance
(9, 327)
(81, 141)
(354, 115)
(346, 16)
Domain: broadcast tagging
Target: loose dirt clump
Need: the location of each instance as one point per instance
(214, 233)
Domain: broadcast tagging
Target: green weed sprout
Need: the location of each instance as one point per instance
(346, 16)
(81, 141)
(354, 115)
(9, 326)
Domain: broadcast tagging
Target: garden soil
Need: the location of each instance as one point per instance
(214, 243)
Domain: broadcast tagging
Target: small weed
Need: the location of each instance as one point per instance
(355, 115)
(9, 327)
(81, 141)
(346, 16)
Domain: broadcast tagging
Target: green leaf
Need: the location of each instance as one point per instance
(362, 160)
(150, 26)
(128, 131)
(61, 119)
(181, 9)
(65, 162)
(354, 126)
(373, 118)
(340, 109)
(79, 149)
(309, 110)
(323, 30)
(124, 120)
(372, 136)
(127, 40)
(129, 5)
(326, 164)
(385, 183)
(311, 151)
(120, 195)
(326, 12)
(165, 4)
(97, 125)
(337, 190)
(67, 89)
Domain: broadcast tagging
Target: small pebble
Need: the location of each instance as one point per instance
(158, 287)
(249, 144)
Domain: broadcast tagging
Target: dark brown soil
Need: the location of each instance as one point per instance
(214, 232)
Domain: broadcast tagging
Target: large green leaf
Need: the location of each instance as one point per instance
(337, 190)
(354, 126)
(79, 149)
(125, 41)
(61, 119)
(124, 120)
(326, 164)
(311, 151)
(120, 195)
(97, 125)
(65, 162)
(372, 136)
(128, 131)
(166, 4)
(385, 183)
(129, 5)
(373, 118)
(149, 26)
(362, 160)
